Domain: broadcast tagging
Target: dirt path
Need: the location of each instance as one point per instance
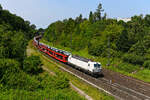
(80, 92)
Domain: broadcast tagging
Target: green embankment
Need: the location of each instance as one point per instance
(88, 89)
(42, 86)
(116, 65)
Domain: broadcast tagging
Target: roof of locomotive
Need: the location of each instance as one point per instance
(81, 58)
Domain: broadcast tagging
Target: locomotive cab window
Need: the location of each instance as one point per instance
(97, 65)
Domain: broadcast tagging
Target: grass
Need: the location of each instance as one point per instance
(17, 94)
(116, 65)
(88, 89)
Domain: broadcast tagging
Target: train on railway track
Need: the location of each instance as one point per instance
(86, 65)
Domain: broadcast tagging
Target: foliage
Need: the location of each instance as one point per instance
(1, 7)
(138, 48)
(17, 23)
(98, 12)
(55, 82)
(66, 94)
(122, 42)
(127, 67)
(97, 49)
(32, 65)
(7, 66)
(104, 36)
(133, 58)
(14, 36)
(147, 64)
(13, 77)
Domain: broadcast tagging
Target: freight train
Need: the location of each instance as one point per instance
(83, 64)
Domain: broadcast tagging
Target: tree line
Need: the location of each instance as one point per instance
(129, 41)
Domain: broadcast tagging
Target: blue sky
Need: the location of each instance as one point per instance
(43, 12)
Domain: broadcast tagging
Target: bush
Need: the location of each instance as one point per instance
(7, 66)
(96, 49)
(55, 82)
(32, 65)
(111, 53)
(147, 64)
(127, 67)
(20, 80)
(12, 76)
(134, 59)
(147, 56)
(61, 81)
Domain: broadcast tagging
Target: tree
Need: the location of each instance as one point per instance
(18, 46)
(141, 47)
(99, 11)
(27, 22)
(104, 17)
(113, 31)
(147, 20)
(33, 26)
(97, 48)
(69, 26)
(123, 42)
(1, 8)
(91, 19)
(41, 30)
(136, 29)
(138, 49)
(79, 19)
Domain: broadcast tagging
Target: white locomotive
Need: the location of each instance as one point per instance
(85, 64)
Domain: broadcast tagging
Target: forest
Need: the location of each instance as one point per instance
(20, 77)
(104, 37)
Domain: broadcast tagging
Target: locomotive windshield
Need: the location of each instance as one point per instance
(97, 65)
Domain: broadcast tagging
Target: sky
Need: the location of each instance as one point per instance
(44, 12)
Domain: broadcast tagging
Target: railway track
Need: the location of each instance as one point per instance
(121, 87)
(128, 82)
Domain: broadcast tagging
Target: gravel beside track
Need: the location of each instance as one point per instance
(128, 82)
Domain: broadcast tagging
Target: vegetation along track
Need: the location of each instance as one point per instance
(117, 85)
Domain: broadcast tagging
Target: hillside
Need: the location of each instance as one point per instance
(22, 76)
(124, 46)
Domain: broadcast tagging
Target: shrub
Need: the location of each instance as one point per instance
(11, 76)
(96, 49)
(112, 53)
(55, 82)
(147, 56)
(134, 59)
(61, 82)
(127, 67)
(147, 64)
(32, 65)
(20, 80)
(7, 66)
